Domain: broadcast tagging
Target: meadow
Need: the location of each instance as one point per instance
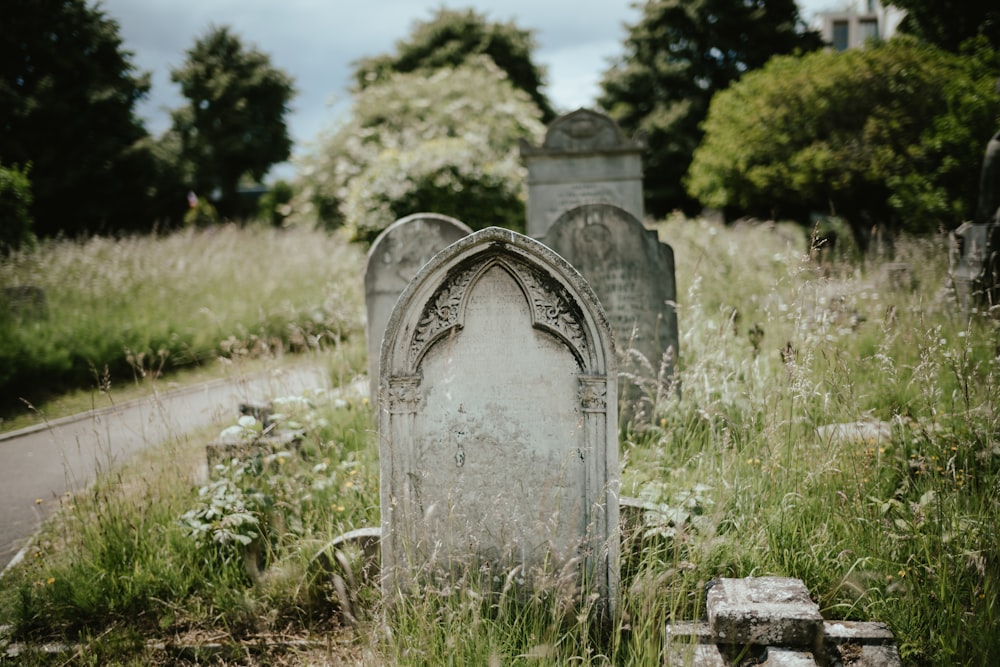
(117, 310)
(894, 521)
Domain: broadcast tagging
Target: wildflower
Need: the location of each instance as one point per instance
(50, 581)
(39, 501)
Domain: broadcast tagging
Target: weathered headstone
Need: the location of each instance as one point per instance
(584, 159)
(632, 273)
(394, 258)
(497, 421)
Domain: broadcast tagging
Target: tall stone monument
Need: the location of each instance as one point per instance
(394, 258)
(497, 421)
(584, 159)
(632, 273)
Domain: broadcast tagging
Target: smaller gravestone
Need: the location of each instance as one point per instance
(394, 258)
(584, 159)
(498, 437)
(632, 273)
(974, 265)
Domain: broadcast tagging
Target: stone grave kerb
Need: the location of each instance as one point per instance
(436, 427)
(394, 258)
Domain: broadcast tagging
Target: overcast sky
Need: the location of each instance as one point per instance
(315, 41)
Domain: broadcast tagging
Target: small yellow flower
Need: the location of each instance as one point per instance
(348, 484)
(50, 581)
(39, 501)
(340, 508)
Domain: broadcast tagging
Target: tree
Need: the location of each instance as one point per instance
(679, 54)
(445, 143)
(947, 23)
(890, 136)
(15, 209)
(234, 123)
(67, 106)
(453, 37)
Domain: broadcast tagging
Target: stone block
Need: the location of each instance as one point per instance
(771, 611)
(783, 657)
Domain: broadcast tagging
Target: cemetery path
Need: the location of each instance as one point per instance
(41, 463)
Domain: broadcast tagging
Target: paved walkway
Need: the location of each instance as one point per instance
(44, 462)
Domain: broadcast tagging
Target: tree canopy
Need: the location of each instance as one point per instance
(453, 37)
(892, 135)
(947, 23)
(445, 143)
(678, 55)
(233, 125)
(68, 92)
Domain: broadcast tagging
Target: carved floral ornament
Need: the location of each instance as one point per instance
(549, 301)
(403, 393)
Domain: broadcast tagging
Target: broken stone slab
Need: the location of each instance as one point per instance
(767, 611)
(694, 655)
(272, 443)
(783, 657)
(861, 644)
(874, 432)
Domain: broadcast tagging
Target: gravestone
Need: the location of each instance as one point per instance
(632, 273)
(584, 159)
(497, 427)
(394, 258)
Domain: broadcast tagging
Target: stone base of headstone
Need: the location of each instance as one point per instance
(772, 621)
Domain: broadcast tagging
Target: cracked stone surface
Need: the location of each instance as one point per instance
(770, 611)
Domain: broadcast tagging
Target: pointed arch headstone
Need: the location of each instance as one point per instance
(498, 420)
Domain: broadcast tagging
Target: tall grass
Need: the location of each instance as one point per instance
(118, 307)
(888, 517)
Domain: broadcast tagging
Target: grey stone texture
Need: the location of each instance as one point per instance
(772, 621)
(763, 610)
(584, 159)
(497, 421)
(394, 258)
(632, 273)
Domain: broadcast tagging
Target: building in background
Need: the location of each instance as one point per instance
(857, 23)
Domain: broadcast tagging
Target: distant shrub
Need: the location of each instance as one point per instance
(15, 209)
(275, 204)
(445, 142)
(202, 214)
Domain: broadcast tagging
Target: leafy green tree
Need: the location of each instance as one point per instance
(889, 136)
(68, 92)
(15, 209)
(947, 23)
(679, 54)
(234, 123)
(445, 143)
(451, 38)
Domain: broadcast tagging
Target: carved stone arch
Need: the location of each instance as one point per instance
(553, 308)
(442, 286)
